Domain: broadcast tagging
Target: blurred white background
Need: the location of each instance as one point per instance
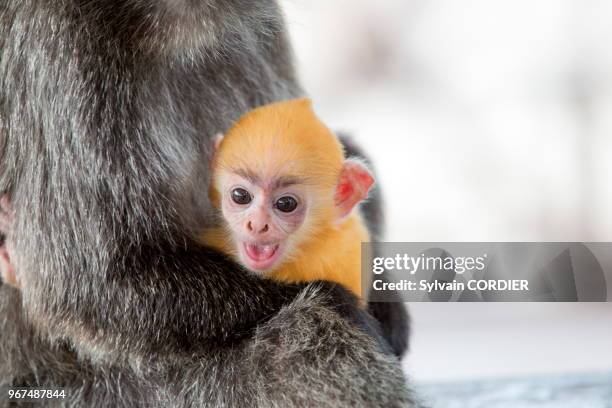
(487, 121)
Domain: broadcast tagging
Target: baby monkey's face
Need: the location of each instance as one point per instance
(263, 215)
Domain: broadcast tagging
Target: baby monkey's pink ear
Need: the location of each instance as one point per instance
(353, 186)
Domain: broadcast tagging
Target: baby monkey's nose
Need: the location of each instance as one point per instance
(256, 228)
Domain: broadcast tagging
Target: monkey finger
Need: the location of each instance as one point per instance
(7, 272)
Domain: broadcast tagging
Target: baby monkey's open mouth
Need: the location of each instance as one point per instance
(261, 256)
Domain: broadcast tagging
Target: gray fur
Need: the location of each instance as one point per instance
(306, 356)
(107, 110)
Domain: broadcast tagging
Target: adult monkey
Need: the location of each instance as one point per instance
(106, 114)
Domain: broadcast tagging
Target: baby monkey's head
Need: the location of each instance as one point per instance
(280, 177)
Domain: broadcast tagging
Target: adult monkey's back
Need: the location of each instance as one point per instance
(106, 114)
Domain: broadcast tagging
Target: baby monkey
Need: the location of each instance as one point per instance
(289, 197)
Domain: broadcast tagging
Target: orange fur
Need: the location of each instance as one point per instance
(288, 139)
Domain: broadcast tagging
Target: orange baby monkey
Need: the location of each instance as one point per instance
(289, 197)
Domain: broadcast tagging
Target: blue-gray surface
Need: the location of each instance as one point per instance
(570, 391)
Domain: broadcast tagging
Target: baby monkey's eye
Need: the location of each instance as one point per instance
(286, 204)
(241, 196)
